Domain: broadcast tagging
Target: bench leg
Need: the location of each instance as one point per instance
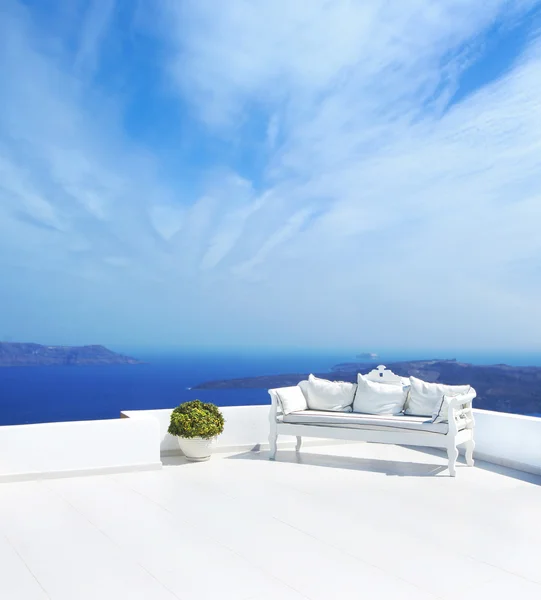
(273, 437)
(298, 444)
(452, 455)
(470, 447)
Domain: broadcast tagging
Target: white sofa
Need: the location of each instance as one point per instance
(382, 407)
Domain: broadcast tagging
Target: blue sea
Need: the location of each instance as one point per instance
(43, 394)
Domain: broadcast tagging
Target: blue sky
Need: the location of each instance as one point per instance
(255, 173)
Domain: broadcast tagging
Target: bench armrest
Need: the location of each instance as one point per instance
(460, 407)
(462, 400)
(276, 411)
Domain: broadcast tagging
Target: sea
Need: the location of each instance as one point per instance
(70, 393)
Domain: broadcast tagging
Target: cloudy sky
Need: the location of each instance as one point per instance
(271, 173)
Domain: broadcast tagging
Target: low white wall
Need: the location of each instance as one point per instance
(245, 426)
(501, 438)
(56, 449)
(45, 449)
(509, 440)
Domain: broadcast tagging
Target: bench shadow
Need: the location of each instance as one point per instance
(374, 465)
(387, 467)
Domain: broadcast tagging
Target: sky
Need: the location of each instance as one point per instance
(257, 173)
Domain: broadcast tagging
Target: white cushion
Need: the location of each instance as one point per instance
(370, 422)
(292, 399)
(374, 398)
(425, 398)
(322, 394)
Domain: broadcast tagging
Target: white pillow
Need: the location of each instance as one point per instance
(441, 412)
(375, 398)
(425, 398)
(292, 399)
(322, 394)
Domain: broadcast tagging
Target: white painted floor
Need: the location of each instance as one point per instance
(352, 521)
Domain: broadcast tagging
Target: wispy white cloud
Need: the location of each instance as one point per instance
(229, 232)
(413, 190)
(96, 23)
(363, 201)
(281, 236)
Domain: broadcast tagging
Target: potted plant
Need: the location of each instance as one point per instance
(196, 425)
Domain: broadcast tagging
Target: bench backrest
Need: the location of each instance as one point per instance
(384, 375)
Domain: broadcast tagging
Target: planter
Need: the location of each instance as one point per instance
(196, 425)
(196, 449)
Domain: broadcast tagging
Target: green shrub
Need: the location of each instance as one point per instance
(196, 419)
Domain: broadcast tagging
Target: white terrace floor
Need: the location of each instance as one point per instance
(348, 521)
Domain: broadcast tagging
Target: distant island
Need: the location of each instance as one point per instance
(499, 387)
(367, 355)
(36, 355)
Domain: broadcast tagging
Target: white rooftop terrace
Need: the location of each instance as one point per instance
(345, 521)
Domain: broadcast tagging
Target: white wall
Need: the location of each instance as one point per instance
(34, 451)
(501, 438)
(245, 426)
(509, 440)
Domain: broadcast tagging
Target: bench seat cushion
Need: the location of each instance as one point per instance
(363, 421)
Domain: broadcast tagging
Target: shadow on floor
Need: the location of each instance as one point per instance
(388, 467)
(486, 466)
(175, 460)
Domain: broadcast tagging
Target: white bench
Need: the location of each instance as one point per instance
(383, 429)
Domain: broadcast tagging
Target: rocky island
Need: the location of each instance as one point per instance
(36, 355)
(499, 387)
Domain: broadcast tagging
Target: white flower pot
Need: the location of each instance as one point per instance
(196, 449)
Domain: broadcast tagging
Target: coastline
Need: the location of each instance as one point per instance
(496, 385)
(164, 380)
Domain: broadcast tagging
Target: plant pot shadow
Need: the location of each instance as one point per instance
(177, 460)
